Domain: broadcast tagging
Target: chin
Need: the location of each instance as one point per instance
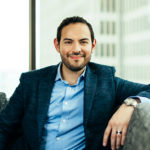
(76, 68)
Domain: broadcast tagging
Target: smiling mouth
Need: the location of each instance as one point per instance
(75, 57)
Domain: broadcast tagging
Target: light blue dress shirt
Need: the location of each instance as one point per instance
(64, 127)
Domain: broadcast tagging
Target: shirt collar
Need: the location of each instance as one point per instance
(59, 77)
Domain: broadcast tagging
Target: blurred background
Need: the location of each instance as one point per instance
(28, 27)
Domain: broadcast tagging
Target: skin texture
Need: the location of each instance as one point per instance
(75, 49)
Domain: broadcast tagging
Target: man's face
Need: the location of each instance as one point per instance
(75, 46)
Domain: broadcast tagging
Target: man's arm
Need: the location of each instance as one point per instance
(125, 89)
(121, 118)
(119, 122)
(11, 116)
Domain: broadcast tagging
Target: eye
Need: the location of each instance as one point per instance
(68, 42)
(84, 42)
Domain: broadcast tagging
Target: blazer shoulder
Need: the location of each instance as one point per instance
(102, 69)
(39, 73)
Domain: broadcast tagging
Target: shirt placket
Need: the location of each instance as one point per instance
(65, 115)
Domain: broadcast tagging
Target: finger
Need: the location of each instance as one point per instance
(124, 133)
(118, 139)
(113, 138)
(106, 135)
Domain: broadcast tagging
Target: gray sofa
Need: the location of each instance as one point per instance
(138, 134)
(3, 101)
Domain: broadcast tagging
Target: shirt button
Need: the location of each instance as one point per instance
(70, 88)
(58, 138)
(66, 103)
(64, 121)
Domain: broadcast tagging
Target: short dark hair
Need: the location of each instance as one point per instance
(73, 20)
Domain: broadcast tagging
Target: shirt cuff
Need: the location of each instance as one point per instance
(142, 99)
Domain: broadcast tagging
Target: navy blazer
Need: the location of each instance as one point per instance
(28, 106)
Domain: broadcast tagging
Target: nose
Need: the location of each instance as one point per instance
(76, 47)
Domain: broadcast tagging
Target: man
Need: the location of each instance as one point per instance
(71, 106)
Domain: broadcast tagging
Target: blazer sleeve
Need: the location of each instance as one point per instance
(11, 116)
(125, 88)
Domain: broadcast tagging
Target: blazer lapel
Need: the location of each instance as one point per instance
(89, 92)
(44, 94)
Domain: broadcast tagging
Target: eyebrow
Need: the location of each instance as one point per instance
(84, 39)
(65, 39)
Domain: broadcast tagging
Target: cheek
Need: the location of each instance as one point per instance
(88, 51)
(64, 51)
(88, 54)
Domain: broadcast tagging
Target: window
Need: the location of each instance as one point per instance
(108, 50)
(102, 49)
(108, 27)
(114, 5)
(14, 47)
(113, 28)
(113, 50)
(102, 27)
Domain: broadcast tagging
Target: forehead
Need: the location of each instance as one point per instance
(76, 30)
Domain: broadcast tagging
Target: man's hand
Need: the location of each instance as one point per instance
(119, 122)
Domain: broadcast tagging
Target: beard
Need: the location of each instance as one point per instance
(77, 67)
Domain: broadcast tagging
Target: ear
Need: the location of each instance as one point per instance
(93, 45)
(56, 44)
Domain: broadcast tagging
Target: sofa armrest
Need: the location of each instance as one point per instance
(138, 133)
(3, 101)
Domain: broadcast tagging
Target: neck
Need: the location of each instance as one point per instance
(70, 76)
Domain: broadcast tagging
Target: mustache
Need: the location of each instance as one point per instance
(76, 54)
